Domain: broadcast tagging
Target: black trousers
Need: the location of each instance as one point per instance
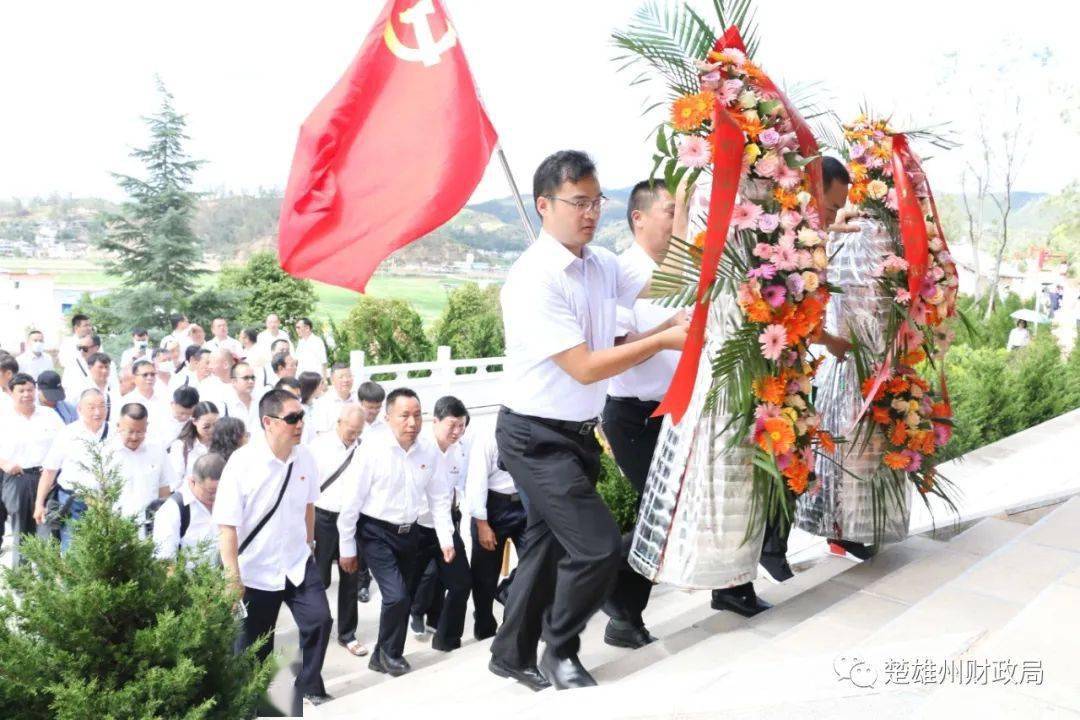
(633, 433)
(307, 603)
(429, 593)
(18, 493)
(507, 519)
(453, 576)
(572, 545)
(326, 554)
(391, 557)
(776, 541)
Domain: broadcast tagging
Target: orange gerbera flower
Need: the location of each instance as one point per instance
(881, 415)
(759, 311)
(826, 440)
(858, 171)
(753, 71)
(690, 111)
(753, 128)
(868, 385)
(797, 474)
(941, 410)
(777, 436)
(857, 192)
(770, 389)
(699, 240)
(895, 460)
(799, 325)
(897, 385)
(787, 200)
(933, 319)
(916, 380)
(882, 150)
(913, 358)
(899, 433)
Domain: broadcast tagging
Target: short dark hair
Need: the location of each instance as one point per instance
(449, 406)
(35, 332)
(642, 196)
(560, 167)
(338, 366)
(306, 322)
(832, 170)
(273, 401)
(138, 364)
(176, 318)
(134, 410)
(157, 352)
(400, 392)
(8, 363)
(191, 351)
(98, 357)
(277, 342)
(370, 392)
(186, 397)
(228, 435)
(288, 382)
(95, 340)
(139, 331)
(232, 372)
(20, 378)
(251, 334)
(78, 318)
(208, 467)
(278, 362)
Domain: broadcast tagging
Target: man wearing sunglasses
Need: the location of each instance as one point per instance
(77, 375)
(147, 393)
(265, 507)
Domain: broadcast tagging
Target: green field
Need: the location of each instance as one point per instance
(426, 294)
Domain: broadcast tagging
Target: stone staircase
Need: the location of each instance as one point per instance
(843, 640)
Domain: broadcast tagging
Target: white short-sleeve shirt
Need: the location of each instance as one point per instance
(552, 301)
(648, 380)
(201, 526)
(310, 354)
(485, 474)
(144, 471)
(330, 454)
(25, 441)
(249, 487)
(70, 454)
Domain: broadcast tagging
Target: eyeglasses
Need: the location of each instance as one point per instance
(249, 378)
(582, 205)
(291, 418)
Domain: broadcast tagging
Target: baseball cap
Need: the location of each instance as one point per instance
(48, 383)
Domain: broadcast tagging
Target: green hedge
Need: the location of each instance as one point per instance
(617, 493)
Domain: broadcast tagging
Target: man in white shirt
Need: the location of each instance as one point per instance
(166, 359)
(102, 380)
(445, 614)
(265, 509)
(196, 369)
(498, 517)
(35, 360)
(328, 407)
(216, 385)
(221, 340)
(184, 400)
(394, 475)
(76, 376)
(558, 306)
(179, 335)
(80, 328)
(186, 520)
(310, 349)
(371, 396)
(148, 394)
(273, 333)
(70, 458)
(334, 452)
(9, 368)
(29, 431)
(654, 217)
(140, 347)
(243, 403)
(142, 465)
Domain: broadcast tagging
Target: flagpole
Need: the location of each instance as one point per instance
(517, 195)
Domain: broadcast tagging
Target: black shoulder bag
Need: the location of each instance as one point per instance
(267, 516)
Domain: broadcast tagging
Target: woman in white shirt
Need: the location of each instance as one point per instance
(194, 439)
(1020, 336)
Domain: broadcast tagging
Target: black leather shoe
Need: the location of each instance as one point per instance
(394, 667)
(363, 594)
(317, 698)
(445, 645)
(776, 568)
(626, 635)
(416, 622)
(564, 673)
(740, 599)
(503, 593)
(529, 677)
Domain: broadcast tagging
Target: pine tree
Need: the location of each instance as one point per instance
(151, 240)
(108, 631)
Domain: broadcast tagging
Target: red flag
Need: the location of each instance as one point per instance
(391, 153)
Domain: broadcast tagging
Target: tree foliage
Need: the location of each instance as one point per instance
(471, 324)
(151, 240)
(388, 331)
(108, 631)
(264, 288)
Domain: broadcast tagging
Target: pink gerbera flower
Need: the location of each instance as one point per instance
(763, 251)
(693, 151)
(768, 222)
(785, 258)
(729, 90)
(773, 341)
(745, 215)
(914, 460)
(763, 272)
(774, 295)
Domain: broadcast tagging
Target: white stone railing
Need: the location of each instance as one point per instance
(476, 382)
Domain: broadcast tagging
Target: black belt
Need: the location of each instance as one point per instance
(574, 427)
(326, 513)
(634, 401)
(392, 527)
(499, 497)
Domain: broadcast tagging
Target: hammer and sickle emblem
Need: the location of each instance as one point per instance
(429, 50)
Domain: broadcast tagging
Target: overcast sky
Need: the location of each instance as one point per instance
(78, 76)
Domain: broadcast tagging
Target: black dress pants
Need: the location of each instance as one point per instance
(775, 543)
(453, 576)
(429, 593)
(307, 603)
(326, 555)
(572, 545)
(391, 557)
(507, 519)
(18, 493)
(633, 433)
